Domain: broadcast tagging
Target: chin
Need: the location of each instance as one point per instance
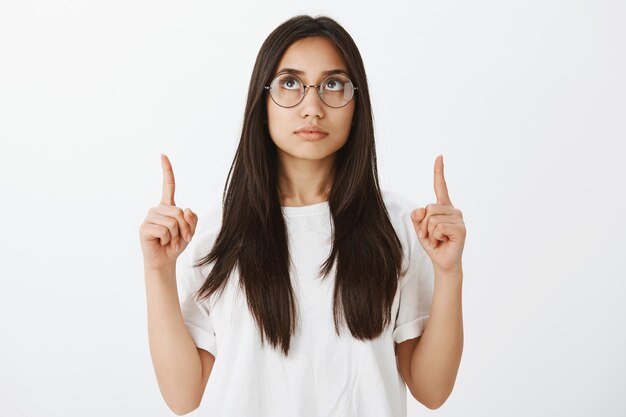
(308, 154)
(310, 150)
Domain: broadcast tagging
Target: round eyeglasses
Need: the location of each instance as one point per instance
(288, 90)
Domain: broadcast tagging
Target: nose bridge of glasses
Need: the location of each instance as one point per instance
(305, 89)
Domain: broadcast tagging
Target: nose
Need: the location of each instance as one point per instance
(311, 104)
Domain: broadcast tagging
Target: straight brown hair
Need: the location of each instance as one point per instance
(253, 237)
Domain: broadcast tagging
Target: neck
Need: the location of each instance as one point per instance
(303, 182)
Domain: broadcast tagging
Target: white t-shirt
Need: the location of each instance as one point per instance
(324, 375)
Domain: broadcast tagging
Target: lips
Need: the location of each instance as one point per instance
(311, 132)
(312, 135)
(311, 129)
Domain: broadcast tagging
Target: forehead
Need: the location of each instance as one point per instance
(312, 55)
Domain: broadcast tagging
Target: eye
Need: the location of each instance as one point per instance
(289, 83)
(335, 84)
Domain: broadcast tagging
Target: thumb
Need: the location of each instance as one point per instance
(192, 219)
(418, 215)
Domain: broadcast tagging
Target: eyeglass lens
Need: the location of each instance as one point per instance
(287, 90)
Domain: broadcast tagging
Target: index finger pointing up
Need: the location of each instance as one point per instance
(441, 190)
(167, 197)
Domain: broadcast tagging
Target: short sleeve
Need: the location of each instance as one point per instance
(415, 301)
(417, 282)
(197, 314)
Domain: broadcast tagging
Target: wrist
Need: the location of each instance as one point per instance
(162, 271)
(454, 272)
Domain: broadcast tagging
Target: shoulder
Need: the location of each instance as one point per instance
(399, 209)
(209, 218)
(397, 204)
(207, 229)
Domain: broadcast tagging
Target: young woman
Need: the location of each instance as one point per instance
(307, 290)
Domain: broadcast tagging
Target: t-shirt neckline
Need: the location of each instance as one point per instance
(322, 207)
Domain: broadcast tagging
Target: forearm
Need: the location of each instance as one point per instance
(174, 354)
(437, 356)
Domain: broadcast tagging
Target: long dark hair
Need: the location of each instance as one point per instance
(253, 235)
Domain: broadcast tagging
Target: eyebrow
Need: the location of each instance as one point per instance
(324, 73)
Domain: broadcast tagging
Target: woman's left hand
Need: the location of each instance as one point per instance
(441, 226)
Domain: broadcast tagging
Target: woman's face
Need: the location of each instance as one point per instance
(312, 56)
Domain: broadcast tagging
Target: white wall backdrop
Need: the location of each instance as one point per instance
(525, 100)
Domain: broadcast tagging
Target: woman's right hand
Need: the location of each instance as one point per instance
(167, 229)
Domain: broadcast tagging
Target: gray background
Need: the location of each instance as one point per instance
(526, 101)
